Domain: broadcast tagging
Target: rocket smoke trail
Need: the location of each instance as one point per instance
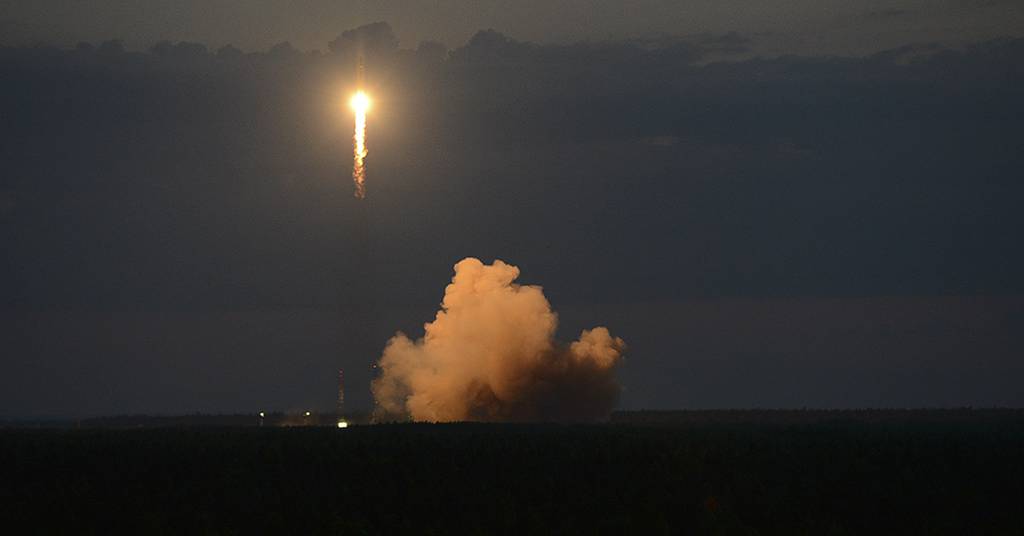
(490, 355)
(360, 103)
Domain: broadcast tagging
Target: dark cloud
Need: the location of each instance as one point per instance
(805, 27)
(181, 51)
(246, 144)
(729, 43)
(375, 39)
(180, 179)
(890, 13)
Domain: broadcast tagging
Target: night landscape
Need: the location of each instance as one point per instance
(605, 267)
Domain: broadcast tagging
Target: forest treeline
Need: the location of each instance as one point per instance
(956, 473)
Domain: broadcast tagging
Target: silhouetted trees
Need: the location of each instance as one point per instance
(858, 473)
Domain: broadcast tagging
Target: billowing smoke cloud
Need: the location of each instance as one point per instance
(490, 355)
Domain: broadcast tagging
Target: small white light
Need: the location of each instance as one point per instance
(307, 414)
(262, 415)
(342, 424)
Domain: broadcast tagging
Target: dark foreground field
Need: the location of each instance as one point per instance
(954, 472)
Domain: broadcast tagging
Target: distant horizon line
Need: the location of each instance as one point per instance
(365, 411)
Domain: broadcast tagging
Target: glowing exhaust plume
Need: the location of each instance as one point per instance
(490, 355)
(360, 103)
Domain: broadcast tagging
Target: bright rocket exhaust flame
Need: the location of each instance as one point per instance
(360, 103)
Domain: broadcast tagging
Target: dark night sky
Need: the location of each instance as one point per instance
(836, 226)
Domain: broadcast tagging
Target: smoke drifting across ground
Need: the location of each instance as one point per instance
(490, 355)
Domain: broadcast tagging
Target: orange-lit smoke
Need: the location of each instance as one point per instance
(360, 104)
(490, 355)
